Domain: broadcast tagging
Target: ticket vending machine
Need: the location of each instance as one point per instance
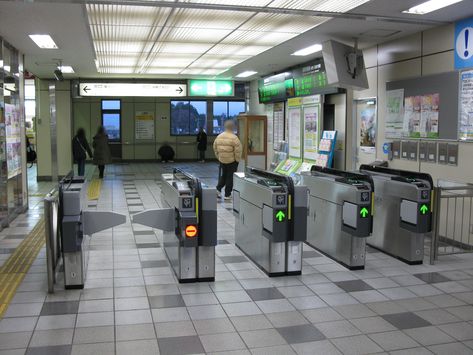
(403, 212)
(189, 225)
(271, 220)
(339, 217)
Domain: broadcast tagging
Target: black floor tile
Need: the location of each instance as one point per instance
(262, 294)
(154, 263)
(233, 259)
(180, 345)
(300, 334)
(406, 320)
(432, 277)
(353, 285)
(56, 308)
(167, 301)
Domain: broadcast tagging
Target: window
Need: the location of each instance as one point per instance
(225, 110)
(187, 117)
(111, 118)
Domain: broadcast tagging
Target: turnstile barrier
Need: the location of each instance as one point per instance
(189, 225)
(271, 220)
(340, 214)
(403, 212)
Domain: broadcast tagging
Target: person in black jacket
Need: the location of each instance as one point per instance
(202, 144)
(80, 149)
(166, 153)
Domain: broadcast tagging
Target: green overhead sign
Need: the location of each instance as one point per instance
(424, 209)
(211, 88)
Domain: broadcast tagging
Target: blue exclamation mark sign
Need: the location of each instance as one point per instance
(467, 33)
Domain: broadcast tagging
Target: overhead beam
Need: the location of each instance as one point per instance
(263, 9)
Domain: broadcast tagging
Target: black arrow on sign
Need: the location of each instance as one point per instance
(179, 90)
(85, 89)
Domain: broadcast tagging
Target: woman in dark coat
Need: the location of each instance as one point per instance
(102, 155)
(202, 144)
(80, 150)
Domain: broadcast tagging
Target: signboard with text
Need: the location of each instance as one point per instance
(464, 44)
(132, 89)
(211, 88)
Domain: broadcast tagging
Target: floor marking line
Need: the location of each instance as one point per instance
(14, 270)
(93, 191)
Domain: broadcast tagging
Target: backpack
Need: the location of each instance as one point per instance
(30, 155)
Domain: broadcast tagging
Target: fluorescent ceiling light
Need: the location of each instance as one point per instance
(44, 41)
(246, 74)
(308, 50)
(66, 69)
(430, 6)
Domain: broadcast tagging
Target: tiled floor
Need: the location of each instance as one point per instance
(132, 303)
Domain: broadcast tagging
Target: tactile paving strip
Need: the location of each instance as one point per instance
(18, 264)
(93, 192)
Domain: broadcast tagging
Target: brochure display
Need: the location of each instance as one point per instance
(289, 167)
(326, 149)
(421, 116)
(311, 131)
(394, 113)
(12, 125)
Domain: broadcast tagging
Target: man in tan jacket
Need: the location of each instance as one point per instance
(227, 148)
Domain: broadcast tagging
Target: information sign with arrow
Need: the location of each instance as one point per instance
(132, 89)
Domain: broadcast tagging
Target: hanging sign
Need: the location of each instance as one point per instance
(464, 44)
(211, 88)
(132, 89)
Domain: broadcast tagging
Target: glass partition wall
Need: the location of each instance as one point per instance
(13, 194)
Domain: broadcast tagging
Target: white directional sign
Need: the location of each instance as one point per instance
(132, 89)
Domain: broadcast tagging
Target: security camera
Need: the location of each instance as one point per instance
(58, 75)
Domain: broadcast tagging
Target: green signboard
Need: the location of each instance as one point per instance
(308, 84)
(211, 88)
(277, 91)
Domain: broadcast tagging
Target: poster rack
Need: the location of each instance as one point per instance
(327, 149)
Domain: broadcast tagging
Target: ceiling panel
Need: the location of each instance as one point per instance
(202, 71)
(159, 70)
(121, 33)
(170, 61)
(218, 62)
(209, 19)
(232, 2)
(257, 38)
(120, 47)
(320, 5)
(282, 23)
(124, 15)
(238, 49)
(188, 34)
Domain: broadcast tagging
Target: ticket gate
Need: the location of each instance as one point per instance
(189, 225)
(271, 220)
(77, 227)
(403, 212)
(339, 217)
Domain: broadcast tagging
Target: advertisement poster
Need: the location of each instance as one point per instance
(412, 116)
(394, 113)
(144, 125)
(295, 132)
(368, 129)
(429, 116)
(12, 125)
(466, 106)
(278, 124)
(311, 134)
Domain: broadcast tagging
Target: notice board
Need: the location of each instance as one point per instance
(446, 85)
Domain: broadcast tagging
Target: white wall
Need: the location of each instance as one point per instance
(425, 53)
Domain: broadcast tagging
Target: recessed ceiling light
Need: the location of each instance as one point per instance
(44, 41)
(66, 69)
(430, 6)
(246, 74)
(308, 50)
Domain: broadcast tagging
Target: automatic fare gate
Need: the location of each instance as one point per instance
(339, 218)
(189, 225)
(271, 220)
(402, 212)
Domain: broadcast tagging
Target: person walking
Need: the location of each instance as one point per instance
(202, 144)
(227, 148)
(80, 150)
(102, 155)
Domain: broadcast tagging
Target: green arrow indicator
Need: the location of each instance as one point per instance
(280, 216)
(364, 212)
(424, 209)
